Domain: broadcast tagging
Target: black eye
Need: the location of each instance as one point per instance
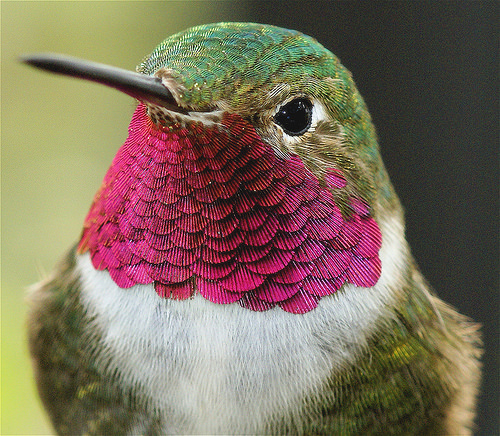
(295, 117)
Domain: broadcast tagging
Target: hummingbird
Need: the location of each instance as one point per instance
(243, 268)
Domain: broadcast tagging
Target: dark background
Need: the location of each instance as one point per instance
(427, 70)
(429, 74)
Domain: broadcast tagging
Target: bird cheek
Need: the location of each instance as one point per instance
(275, 137)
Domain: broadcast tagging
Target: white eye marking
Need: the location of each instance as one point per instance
(318, 114)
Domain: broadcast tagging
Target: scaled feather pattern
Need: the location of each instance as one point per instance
(213, 210)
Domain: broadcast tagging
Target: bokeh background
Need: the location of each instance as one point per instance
(428, 71)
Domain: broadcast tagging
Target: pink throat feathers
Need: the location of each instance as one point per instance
(213, 210)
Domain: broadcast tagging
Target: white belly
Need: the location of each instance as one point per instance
(224, 369)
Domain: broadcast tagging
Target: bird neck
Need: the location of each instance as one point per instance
(213, 210)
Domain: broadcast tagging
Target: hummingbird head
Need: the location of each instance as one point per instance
(251, 172)
(295, 93)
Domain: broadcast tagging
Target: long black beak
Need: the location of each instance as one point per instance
(142, 87)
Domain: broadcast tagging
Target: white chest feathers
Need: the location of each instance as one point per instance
(222, 368)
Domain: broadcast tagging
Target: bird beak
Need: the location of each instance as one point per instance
(147, 89)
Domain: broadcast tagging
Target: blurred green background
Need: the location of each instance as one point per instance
(58, 138)
(426, 69)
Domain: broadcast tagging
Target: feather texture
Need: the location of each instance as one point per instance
(213, 210)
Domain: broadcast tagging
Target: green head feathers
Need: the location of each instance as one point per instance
(251, 69)
(239, 62)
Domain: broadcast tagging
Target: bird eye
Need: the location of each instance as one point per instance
(295, 117)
